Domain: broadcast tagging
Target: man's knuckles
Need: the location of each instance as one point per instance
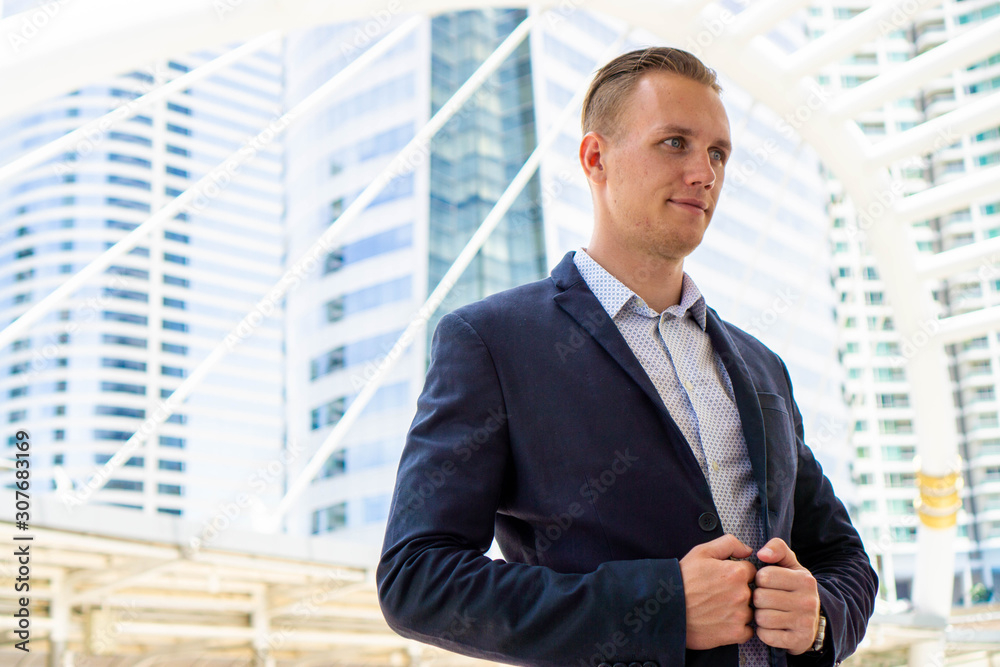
(782, 578)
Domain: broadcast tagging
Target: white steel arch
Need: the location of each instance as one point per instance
(119, 36)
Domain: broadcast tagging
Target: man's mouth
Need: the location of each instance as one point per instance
(692, 205)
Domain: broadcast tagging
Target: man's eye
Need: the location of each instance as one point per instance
(717, 155)
(675, 142)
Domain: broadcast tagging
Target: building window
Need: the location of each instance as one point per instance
(125, 317)
(129, 272)
(134, 462)
(118, 411)
(175, 326)
(326, 364)
(123, 388)
(899, 480)
(123, 485)
(176, 466)
(109, 339)
(170, 441)
(172, 371)
(335, 310)
(329, 519)
(120, 436)
(170, 489)
(890, 374)
(335, 465)
(173, 348)
(126, 364)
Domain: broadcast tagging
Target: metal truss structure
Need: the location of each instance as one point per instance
(94, 39)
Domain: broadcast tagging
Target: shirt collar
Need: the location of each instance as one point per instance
(614, 295)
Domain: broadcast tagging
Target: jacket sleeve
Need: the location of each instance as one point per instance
(826, 542)
(435, 583)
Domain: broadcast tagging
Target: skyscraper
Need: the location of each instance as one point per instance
(259, 419)
(874, 355)
(84, 379)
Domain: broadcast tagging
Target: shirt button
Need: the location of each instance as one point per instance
(688, 386)
(743, 660)
(708, 522)
(715, 466)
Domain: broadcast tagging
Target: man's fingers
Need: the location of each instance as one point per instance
(776, 552)
(783, 579)
(727, 546)
(774, 620)
(776, 638)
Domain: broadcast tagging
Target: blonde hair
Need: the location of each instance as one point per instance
(609, 91)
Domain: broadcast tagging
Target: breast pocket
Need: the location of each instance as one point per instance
(782, 462)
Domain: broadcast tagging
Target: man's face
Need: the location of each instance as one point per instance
(664, 166)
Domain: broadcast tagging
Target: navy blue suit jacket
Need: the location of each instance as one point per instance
(537, 425)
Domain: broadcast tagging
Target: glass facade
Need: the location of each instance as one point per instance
(476, 155)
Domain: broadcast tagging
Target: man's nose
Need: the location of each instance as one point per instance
(700, 171)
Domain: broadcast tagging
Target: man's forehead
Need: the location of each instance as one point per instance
(683, 103)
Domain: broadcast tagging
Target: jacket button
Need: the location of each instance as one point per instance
(604, 664)
(635, 664)
(620, 664)
(650, 664)
(707, 522)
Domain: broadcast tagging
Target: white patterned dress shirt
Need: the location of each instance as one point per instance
(676, 353)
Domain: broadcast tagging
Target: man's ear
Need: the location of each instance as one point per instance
(592, 157)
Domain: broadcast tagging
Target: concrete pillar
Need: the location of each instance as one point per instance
(927, 653)
(261, 619)
(59, 612)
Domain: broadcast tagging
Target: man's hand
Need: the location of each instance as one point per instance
(717, 593)
(786, 602)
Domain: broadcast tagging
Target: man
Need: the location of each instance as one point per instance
(639, 461)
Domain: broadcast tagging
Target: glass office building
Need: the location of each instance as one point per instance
(258, 419)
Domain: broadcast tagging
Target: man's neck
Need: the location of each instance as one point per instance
(657, 281)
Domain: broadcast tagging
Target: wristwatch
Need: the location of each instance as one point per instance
(820, 633)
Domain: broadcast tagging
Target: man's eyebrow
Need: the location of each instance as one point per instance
(670, 128)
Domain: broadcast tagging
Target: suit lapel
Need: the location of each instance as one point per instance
(746, 403)
(580, 303)
(583, 306)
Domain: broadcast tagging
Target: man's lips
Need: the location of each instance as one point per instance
(693, 205)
